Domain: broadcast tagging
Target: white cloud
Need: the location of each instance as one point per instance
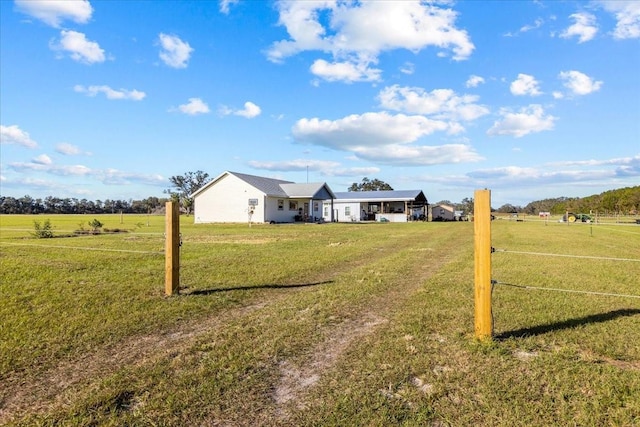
(531, 119)
(80, 49)
(579, 83)
(537, 24)
(587, 173)
(439, 103)
(117, 177)
(62, 170)
(14, 135)
(250, 110)
(627, 14)
(323, 167)
(407, 68)
(69, 149)
(419, 155)
(366, 130)
(107, 176)
(295, 165)
(225, 4)
(624, 166)
(134, 95)
(525, 85)
(193, 107)
(357, 32)
(345, 71)
(175, 53)
(474, 81)
(42, 159)
(384, 138)
(584, 28)
(53, 12)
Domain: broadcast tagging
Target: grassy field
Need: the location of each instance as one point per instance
(318, 324)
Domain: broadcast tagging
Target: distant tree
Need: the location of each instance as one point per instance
(509, 208)
(369, 185)
(185, 185)
(466, 205)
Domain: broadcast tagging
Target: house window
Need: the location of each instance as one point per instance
(316, 207)
(293, 206)
(280, 204)
(326, 211)
(347, 210)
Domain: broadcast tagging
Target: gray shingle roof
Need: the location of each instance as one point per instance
(277, 187)
(269, 186)
(312, 190)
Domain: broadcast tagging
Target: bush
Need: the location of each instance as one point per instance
(44, 231)
(95, 226)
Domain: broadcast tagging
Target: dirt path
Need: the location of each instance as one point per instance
(37, 392)
(54, 387)
(295, 382)
(46, 389)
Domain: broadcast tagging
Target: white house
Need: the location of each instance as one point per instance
(238, 197)
(383, 205)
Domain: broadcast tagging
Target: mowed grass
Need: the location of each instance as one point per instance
(332, 324)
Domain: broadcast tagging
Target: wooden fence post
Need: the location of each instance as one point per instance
(482, 259)
(172, 249)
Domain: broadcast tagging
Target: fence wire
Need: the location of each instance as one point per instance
(573, 291)
(567, 256)
(84, 248)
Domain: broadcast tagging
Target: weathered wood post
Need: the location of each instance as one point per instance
(172, 249)
(482, 259)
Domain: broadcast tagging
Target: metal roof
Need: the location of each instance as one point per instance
(278, 187)
(311, 190)
(381, 196)
(269, 186)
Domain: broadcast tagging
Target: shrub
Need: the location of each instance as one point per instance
(44, 231)
(95, 226)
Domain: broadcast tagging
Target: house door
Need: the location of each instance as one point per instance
(306, 211)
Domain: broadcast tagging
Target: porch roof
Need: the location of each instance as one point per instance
(382, 196)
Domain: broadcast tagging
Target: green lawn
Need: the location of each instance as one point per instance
(317, 324)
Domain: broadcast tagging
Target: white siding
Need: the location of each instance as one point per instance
(391, 217)
(345, 211)
(273, 213)
(228, 201)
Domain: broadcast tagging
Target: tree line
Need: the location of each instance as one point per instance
(57, 205)
(182, 187)
(625, 201)
(621, 201)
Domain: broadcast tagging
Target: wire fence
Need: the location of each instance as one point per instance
(553, 289)
(568, 256)
(541, 288)
(83, 248)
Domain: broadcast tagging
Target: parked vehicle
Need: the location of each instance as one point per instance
(574, 217)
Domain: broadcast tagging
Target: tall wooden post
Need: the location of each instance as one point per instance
(172, 249)
(482, 258)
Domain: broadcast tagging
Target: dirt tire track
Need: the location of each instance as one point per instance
(37, 392)
(295, 382)
(40, 392)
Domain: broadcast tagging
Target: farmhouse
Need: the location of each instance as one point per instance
(238, 197)
(385, 206)
(442, 213)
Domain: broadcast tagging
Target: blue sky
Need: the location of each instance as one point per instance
(531, 99)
